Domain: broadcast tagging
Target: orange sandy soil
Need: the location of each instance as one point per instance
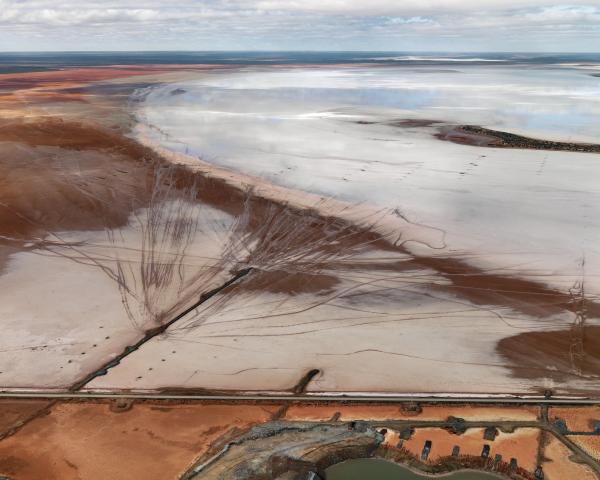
(69, 93)
(522, 444)
(79, 75)
(86, 75)
(148, 441)
(579, 419)
(558, 466)
(388, 412)
(590, 443)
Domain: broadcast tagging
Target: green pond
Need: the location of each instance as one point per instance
(373, 469)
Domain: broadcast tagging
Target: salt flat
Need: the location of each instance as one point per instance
(367, 136)
(335, 132)
(384, 257)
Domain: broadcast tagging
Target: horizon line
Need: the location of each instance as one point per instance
(545, 52)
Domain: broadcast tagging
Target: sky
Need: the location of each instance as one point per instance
(382, 25)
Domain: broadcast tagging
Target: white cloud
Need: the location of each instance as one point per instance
(316, 24)
(397, 7)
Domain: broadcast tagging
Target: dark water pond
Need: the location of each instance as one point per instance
(373, 469)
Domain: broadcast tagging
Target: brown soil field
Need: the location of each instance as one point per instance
(55, 132)
(479, 413)
(77, 440)
(534, 352)
(487, 288)
(428, 412)
(276, 281)
(346, 412)
(579, 419)
(14, 412)
(558, 466)
(47, 189)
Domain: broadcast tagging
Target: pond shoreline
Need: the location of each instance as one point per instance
(453, 475)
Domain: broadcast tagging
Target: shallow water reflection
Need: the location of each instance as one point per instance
(332, 131)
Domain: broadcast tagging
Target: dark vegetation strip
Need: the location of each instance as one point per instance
(300, 387)
(486, 137)
(153, 332)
